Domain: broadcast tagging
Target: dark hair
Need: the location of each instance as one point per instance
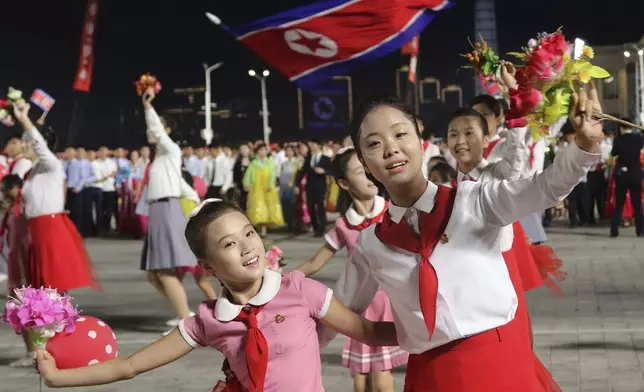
(469, 112)
(627, 119)
(490, 102)
(340, 162)
(11, 181)
(197, 224)
(259, 146)
(444, 170)
(50, 137)
(375, 102)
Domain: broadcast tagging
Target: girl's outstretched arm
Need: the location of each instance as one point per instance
(372, 333)
(165, 350)
(321, 258)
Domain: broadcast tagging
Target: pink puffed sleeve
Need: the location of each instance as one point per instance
(334, 237)
(317, 297)
(193, 328)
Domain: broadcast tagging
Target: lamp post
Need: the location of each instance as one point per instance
(262, 80)
(639, 82)
(207, 133)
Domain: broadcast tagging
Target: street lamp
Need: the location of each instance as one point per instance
(639, 82)
(262, 80)
(207, 133)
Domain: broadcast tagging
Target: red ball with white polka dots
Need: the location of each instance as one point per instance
(92, 342)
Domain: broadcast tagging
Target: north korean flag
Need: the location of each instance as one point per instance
(313, 43)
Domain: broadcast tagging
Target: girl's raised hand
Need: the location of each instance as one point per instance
(507, 78)
(589, 131)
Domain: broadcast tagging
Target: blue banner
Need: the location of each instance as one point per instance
(327, 107)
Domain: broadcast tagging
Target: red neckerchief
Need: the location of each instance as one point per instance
(256, 348)
(13, 163)
(490, 147)
(432, 227)
(531, 147)
(367, 221)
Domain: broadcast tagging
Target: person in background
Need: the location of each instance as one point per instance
(58, 258)
(447, 154)
(239, 170)
(107, 180)
(75, 182)
(203, 161)
(89, 177)
(315, 168)
(597, 183)
(93, 202)
(139, 166)
(263, 209)
(191, 161)
(578, 198)
(18, 164)
(442, 174)
(430, 149)
(628, 177)
(165, 248)
(219, 174)
(287, 193)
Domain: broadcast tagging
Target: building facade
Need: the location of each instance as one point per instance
(621, 95)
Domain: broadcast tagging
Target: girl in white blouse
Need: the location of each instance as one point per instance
(165, 247)
(437, 254)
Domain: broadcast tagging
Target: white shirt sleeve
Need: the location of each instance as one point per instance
(22, 167)
(188, 192)
(228, 175)
(504, 202)
(512, 152)
(356, 286)
(46, 158)
(156, 128)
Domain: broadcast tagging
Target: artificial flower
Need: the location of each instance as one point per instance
(15, 96)
(588, 52)
(146, 81)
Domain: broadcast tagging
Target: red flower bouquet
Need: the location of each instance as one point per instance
(146, 81)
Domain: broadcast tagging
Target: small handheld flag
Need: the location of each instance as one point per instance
(42, 100)
(313, 43)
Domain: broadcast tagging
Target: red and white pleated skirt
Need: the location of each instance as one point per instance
(58, 257)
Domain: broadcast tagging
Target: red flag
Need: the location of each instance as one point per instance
(86, 64)
(313, 43)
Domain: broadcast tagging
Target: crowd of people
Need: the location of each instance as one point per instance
(465, 211)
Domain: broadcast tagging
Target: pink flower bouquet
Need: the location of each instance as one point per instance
(43, 312)
(274, 255)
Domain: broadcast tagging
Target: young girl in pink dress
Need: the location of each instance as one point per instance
(364, 362)
(263, 322)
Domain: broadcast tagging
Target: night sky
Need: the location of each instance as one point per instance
(172, 38)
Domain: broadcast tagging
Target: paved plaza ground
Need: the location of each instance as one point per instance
(592, 338)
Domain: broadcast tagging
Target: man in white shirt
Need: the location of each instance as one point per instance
(106, 173)
(203, 161)
(94, 196)
(191, 162)
(219, 173)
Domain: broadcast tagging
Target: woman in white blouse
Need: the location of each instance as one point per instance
(165, 247)
(57, 252)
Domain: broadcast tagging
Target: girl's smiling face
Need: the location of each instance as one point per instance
(356, 181)
(466, 141)
(234, 251)
(390, 147)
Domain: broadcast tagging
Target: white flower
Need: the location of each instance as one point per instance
(3, 114)
(14, 94)
(532, 43)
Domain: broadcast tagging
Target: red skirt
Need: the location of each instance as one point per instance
(528, 270)
(57, 254)
(499, 360)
